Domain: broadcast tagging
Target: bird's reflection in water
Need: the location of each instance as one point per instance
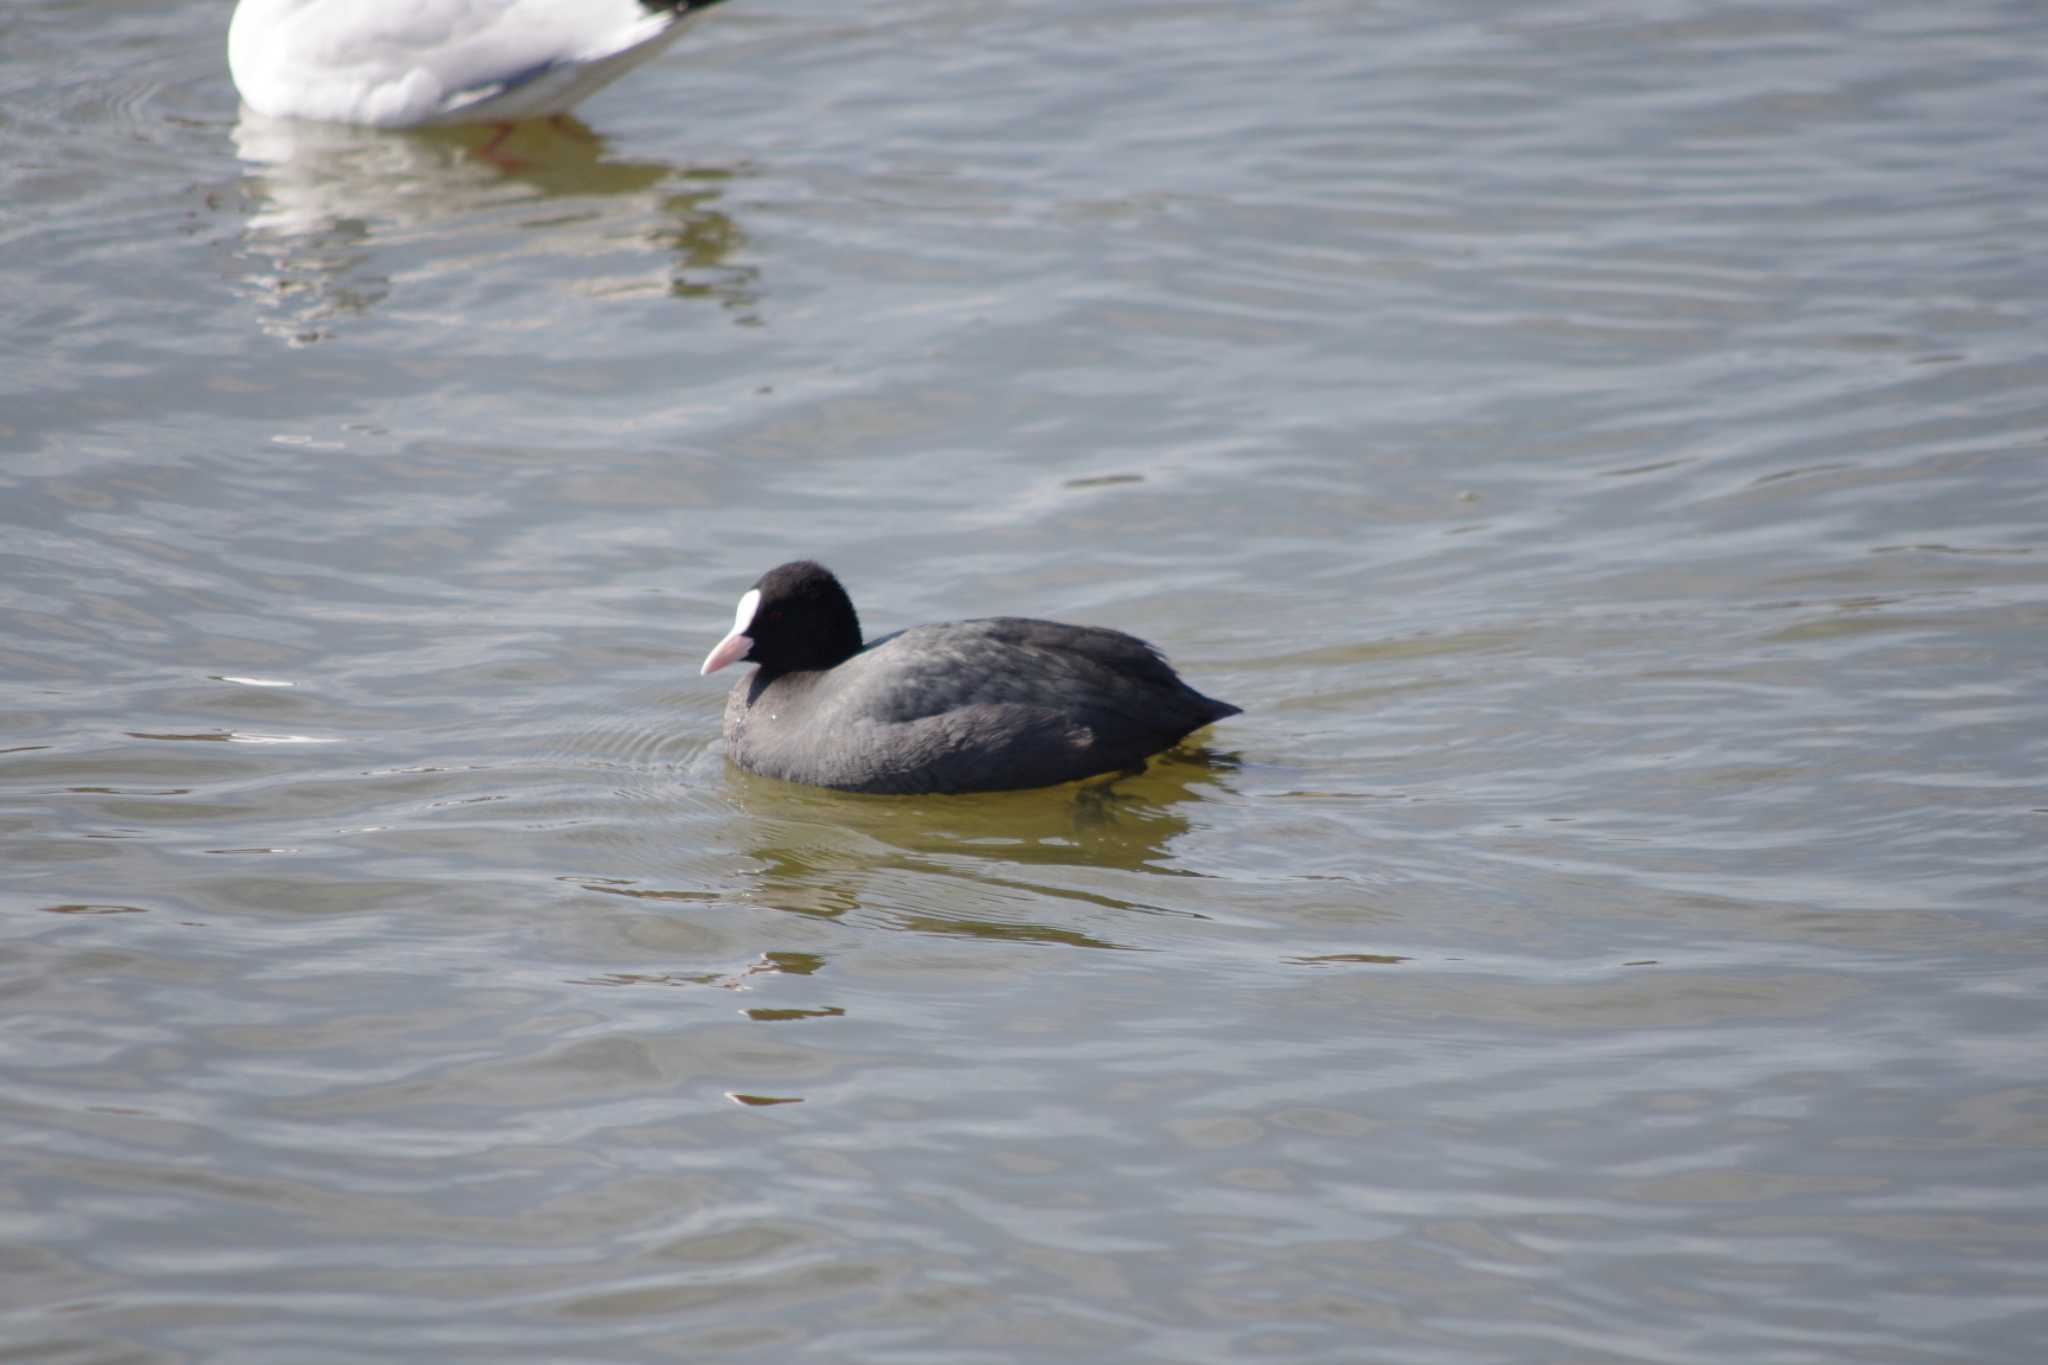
(736, 979)
(982, 865)
(332, 211)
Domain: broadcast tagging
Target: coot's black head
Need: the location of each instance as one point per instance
(795, 617)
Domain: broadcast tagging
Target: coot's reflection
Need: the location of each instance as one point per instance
(983, 864)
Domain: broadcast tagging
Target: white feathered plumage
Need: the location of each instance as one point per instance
(403, 63)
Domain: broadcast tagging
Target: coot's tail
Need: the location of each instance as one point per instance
(1203, 710)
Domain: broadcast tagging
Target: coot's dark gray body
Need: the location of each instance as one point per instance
(982, 705)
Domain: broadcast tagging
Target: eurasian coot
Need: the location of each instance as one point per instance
(983, 705)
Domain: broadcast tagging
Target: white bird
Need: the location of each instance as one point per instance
(404, 63)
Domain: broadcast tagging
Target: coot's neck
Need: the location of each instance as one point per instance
(812, 654)
(841, 644)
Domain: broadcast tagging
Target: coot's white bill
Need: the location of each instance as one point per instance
(736, 642)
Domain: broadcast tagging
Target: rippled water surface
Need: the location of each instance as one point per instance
(1601, 446)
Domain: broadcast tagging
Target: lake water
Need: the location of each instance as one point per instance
(1600, 445)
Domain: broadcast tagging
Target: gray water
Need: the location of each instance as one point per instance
(1601, 446)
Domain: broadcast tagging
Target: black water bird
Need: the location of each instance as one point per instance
(984, 705)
